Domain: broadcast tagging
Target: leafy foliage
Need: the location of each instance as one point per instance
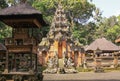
(3, 4)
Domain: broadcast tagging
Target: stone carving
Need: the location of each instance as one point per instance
(70, 62)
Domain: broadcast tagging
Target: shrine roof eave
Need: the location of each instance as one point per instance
(24, 20)
(103, 51)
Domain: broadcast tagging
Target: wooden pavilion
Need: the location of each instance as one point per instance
(21, 48)
(104, 50)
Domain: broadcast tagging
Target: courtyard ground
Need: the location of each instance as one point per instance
(83, 76)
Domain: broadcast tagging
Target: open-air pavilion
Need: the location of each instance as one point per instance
(104, 50)
(102, 44)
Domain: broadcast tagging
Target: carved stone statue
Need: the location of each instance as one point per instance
(70, 62)
(50, 63)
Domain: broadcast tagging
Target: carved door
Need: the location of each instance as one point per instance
(60, 50)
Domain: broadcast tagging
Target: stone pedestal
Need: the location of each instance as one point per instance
(61, 66)
(98, 67)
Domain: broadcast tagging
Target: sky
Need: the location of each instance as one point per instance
(108, 7)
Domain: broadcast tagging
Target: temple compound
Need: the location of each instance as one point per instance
(59, 51)
(19, 58)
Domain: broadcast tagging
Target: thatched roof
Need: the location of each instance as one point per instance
(103, 45)
(21, 11)
(2, 47)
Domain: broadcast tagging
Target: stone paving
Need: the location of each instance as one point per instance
(83, 76)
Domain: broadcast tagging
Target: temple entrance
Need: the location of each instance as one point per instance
(60, 50)
(75, 58)
(44, 55)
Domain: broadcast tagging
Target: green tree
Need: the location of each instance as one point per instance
(113, 32)
(4, 30)
(107, 28)
(3, 4)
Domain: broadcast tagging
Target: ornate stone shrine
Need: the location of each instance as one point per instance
(59, 51)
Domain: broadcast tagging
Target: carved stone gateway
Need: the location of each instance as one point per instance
(63, 50)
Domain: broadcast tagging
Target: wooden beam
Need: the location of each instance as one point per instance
(37, 23)
(18, 20)
(13, 22)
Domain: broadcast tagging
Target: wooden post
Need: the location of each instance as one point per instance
(14, 62)
(115, 61)
(94, 58)
(31, 64)
(36, 62)
(31, 61)
(6, 67)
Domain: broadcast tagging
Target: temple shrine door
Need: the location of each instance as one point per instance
(60, 50)
(76, 58)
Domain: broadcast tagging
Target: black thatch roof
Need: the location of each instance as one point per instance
(103, 45)
(21, 11)
(2, 48)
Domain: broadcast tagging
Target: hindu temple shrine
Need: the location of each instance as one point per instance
(60, 50)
